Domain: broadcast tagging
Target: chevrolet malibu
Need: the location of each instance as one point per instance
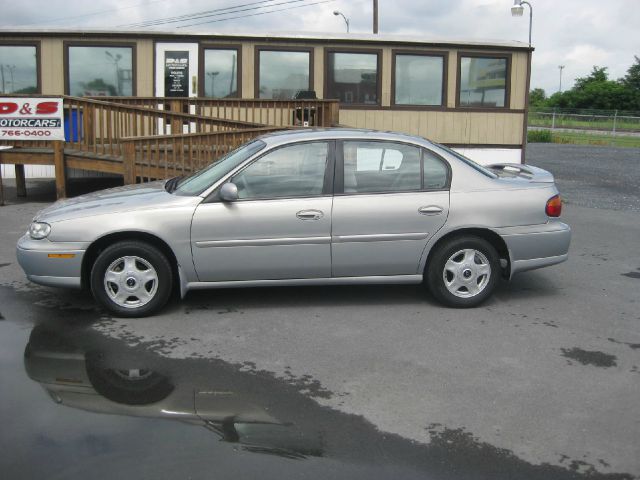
(312, 207)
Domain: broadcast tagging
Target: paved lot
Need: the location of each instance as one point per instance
(543, 381)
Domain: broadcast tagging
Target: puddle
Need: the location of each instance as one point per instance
(634, 346)
(631, 274)
(590, 357)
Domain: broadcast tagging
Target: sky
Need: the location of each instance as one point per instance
(575, 33)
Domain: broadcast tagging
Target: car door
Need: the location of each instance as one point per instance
(390, 198)
(280, 225)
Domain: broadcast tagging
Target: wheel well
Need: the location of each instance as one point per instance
(100, 244)
(490, 236)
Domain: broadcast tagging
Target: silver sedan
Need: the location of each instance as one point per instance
(313, 207)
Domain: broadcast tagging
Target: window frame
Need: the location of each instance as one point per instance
(445, 78)
(507, 86)
(134, 56)
(338, 186)
(37, 45)
(201, 72)
(356, 106)
(327, 186)
(258, 49)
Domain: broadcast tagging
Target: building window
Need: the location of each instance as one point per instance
(100, 71)
(221, 73)
(353, 77)
(418, 79)
(18, 69)
(282, 74)
(483, 81)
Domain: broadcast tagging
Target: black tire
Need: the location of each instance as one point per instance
(148, 253)
(435, 272)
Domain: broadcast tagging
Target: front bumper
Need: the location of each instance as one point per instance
(537, 246)
(54, 264)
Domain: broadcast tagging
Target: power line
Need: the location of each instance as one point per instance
(256, 14)
(190, 16)
(100, 12)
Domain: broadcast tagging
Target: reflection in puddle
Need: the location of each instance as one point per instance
(254, 413)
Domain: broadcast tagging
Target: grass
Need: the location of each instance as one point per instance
(579, 138)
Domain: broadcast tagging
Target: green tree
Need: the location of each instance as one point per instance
(632, 78)
(537, 97)
(596, 91)
(597, 75)
(99, 85)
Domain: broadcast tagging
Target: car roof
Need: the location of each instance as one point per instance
(308, 134)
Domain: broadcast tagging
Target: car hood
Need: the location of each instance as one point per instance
(113, 200)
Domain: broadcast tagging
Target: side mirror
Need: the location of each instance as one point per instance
(229, 192)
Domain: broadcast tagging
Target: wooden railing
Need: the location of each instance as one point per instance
(282, 113)
(162, 156)
(96, 126)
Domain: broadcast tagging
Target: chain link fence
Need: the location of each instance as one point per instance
(602, 121)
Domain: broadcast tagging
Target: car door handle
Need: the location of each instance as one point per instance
(430, 210)
(310, 214)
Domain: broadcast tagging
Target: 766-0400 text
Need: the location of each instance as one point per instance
(26, 133)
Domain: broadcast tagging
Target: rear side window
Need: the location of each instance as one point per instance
(379, 167)
(435, 173)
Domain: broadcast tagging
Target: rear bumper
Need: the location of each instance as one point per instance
(54, 264)
(537, 246)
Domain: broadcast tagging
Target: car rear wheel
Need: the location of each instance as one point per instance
(463, 272)
(131, 279)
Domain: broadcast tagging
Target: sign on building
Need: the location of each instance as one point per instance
(176, 68)
(31, 118)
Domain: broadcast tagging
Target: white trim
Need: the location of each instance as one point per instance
(488, 156)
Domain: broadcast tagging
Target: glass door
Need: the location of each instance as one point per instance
(177, 77)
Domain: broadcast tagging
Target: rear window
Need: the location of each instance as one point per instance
(468, 161)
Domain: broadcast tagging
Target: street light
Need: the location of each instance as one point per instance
(517, 10)
(346, 20)
(213, 82)
(115, 60)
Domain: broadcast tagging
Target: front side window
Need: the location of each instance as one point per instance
(292, 171)
(353, 78)
(418, 79)
(483, 82)
(100, 71)
(381, 167)
(220, 73)
(199, 181)
(18, 69)
(282, 74)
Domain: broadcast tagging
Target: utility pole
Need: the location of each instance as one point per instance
(560, 67)
(233, 74)
(375, 16)
(11, 69)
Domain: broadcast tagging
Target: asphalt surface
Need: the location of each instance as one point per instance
(598, 177)
(542, 381)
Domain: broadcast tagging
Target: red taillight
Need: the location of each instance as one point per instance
(554, 206)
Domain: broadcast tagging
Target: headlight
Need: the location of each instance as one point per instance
(39, 230)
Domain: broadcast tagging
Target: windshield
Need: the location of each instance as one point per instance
(468, 161)
(198, 182)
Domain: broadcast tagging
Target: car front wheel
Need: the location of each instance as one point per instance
(463, 272)
(131, 279)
